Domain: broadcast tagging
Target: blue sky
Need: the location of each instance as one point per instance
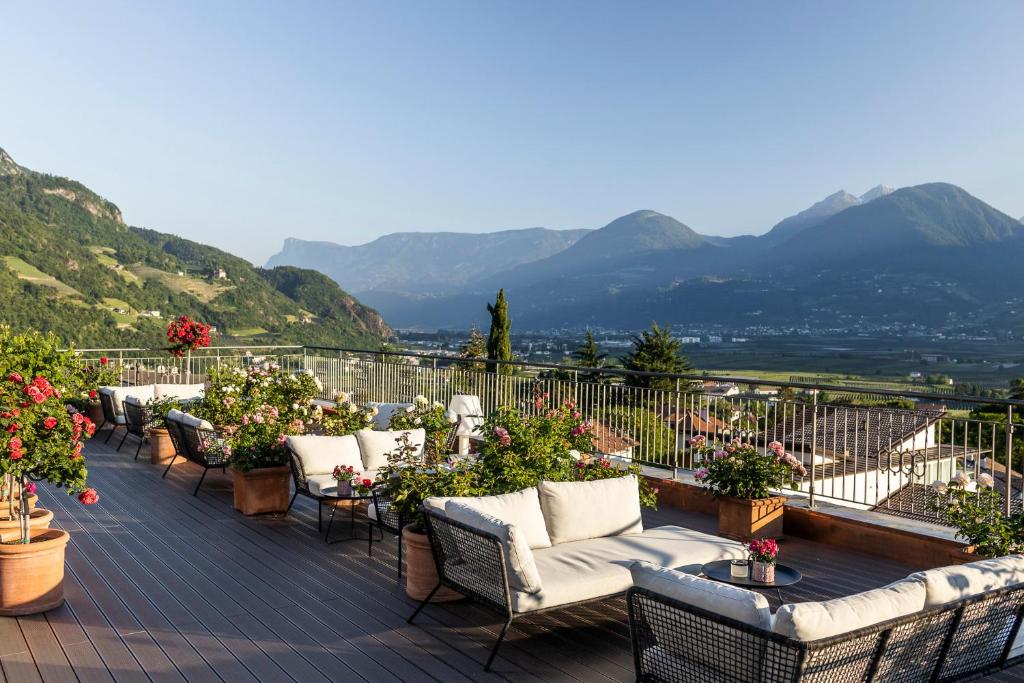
(241, 123)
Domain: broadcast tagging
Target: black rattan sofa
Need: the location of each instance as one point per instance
(137, 418)
(676, 642)
(196, 444)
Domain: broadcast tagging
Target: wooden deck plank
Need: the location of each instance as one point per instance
(52, 663)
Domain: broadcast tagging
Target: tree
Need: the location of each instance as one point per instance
(1017, 388)
(588, 355)
(499, 343)
(474, 348)
(655, 350)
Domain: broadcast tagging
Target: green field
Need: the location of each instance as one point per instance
(26, 271)
(185, 284)
(247, 332)
(105, 257)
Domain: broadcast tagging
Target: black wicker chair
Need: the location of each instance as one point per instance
(137, 419)
(204, 447)
(386, 517)
(302, 486)
(109, 415)
(677, 643)
(177, 440)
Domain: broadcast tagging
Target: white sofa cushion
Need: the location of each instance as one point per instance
(321, 454)
(384, 412)
(578, 510)
(519, 561)
(181, 391)
(949, 584)
(599, 567)
(141, 391)
(521, 509)
(813, 620)
(374, 446)
(749, 607)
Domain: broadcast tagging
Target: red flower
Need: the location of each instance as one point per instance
(367, 483)
(103, 360)
(16, 455)
(16, 412)
(77, 418)
(50, 422)
(88, 497)
(15, 444)
(16, 378)
(92, 393)
(90, 427)
(13, 427)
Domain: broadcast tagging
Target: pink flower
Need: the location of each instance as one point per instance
(88, 497)
(15, 378)
(701, 474)
(30, 488)
(226, 450)
(50, 422)
(503, 438)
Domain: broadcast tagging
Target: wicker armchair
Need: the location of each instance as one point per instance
(204, 447)
(386, 517)
(137, 419)
(676, 642)
(110, 415)
(177, 440)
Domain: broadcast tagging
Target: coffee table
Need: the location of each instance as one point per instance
(353, 497)
(721, 570)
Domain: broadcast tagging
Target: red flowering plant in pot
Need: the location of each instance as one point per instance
(41, 439)
(185, 335)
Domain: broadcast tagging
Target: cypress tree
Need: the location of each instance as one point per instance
(499, 343)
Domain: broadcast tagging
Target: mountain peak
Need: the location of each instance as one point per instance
(7, 164)
(876, 192)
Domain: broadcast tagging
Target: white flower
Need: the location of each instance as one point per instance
(374, 411)
(410, 409)
(438, 404)
(574, 454)
(352, 408)
(295, 406)
(342, 397)
(417, 421)
(421, 400)
(939, 487)
(985, 480)
(962, 478)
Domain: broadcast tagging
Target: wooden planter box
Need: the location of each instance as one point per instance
(161, 448)
(262, 491)
(744, 519)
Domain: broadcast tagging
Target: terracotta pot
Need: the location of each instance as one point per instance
(421, 574)
(763, 572)
(10, 529)
(744, 519)
(32, 574)
(95, 413)
(32, 500)
(262, 490)
(161, 448)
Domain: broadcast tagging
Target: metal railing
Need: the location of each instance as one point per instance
(156, 366)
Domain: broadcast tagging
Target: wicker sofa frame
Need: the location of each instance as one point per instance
(388, 518)
(137, 419)
(204, 447)
(109, 415)
(472, 562)
(955, 642)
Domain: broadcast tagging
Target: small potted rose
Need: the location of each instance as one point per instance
(742, 477)
(344, 474)
(763, 554)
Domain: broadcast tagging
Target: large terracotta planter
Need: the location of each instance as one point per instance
(744, 519)
(161, 448)
(32, 574)
(10, 529)
(95, 413)
(32, 500)
(421, 574)
(261, 491)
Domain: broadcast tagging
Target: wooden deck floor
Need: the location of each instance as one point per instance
(163, 586)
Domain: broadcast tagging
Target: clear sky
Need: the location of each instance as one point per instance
(241, 123)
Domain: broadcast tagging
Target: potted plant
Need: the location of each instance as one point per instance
(185, 336)
(432, 418)
(345, 418)
(41, 439)
(94, 376)
(161, 448)
(978, 513)
(344, 474)
(259, 461)
(763, 554)
(741, 476)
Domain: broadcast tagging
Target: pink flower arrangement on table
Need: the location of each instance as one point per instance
(763, 550)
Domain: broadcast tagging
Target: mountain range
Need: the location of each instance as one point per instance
(930, 254)
(69, 263)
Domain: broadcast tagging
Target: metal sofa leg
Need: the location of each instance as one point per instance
(291, 502)
(497, 644)
(196, 492)
(399, 555)
(137, 450)
(173, 458)
(113, 428)
(369, 537)
(319, 516)
(424, 603)
(123, 439)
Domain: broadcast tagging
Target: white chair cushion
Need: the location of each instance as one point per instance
(813, 620)
(193, 421)
(740, 604)
(142, 391)
(949, 584)
(521, 509)
(600, 567)
(384, 412)
(321, 454)
(182, 391)
(374, 446)
(134, 400)
(519, 561)
(578, 510)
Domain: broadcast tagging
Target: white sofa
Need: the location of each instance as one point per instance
(314, 457)
(959, 620)
(561, 543)
(144, 393)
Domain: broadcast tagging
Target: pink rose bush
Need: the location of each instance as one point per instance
(743, 470)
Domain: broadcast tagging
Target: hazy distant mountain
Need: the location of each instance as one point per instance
(818, 212)
(876, 192)
(424, 262)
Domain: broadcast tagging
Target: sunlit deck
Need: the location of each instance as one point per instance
(163, 586)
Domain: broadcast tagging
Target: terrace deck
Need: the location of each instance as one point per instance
(166, 587)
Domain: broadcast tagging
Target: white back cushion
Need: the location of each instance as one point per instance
(321, 454)
(178, 390)
(384, 412)
(740, 604)
(813, 620)
(193, 421)
(949, 584)
(374, 446)
(519, 564)
(521, 509)
(141, 391)
(578, 510)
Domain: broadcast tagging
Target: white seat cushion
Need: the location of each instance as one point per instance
(521, 509)
(578, 510)
(519, 561)
(321, 454)
(382, 419)
(740, 604)
(813, 620)
(181, 391)
(374, 446)
(142, 391)
(599, 567)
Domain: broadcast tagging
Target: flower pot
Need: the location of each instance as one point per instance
(744, 519)
(32, 500)
(95, 413)
(32, 574)
(421, 573)
(262, 490)
(161, 448)
(10, 529)
(763, 572)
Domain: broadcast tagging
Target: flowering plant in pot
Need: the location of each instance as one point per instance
(41, 439)
(186, 335)
(978, 513)
(344, 474)
(259, 458)
(346, 418)
(431, 417)
(741, 476)
(763, 554)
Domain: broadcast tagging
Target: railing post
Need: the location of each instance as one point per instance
(1009, 457)
(814, 445)
(676, 412)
